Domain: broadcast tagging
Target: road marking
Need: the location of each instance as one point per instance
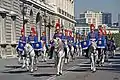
(65, 72)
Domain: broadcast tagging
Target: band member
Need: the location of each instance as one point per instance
(92, 35)
(22, 41)
(32, 38)
(111, 43)
(84, 37)
(21, 44)
(58, 34)
(43, 37)
(51, 48)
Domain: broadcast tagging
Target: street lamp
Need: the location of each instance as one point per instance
(23, 9)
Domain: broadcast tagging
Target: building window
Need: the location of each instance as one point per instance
(89, 20)
(89, 15)
(94, 21)
(65, 13)
(82, 15)
(62, 12)
(59, 10)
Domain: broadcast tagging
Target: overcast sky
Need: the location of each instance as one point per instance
(112, 6)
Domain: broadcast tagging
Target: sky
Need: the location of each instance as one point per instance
(112, 6)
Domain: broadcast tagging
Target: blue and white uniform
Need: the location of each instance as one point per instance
(21, 44)
(32, 40)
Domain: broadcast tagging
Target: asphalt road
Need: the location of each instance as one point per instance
(79, 69)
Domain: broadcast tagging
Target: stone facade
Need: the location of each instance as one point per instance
(39, 14)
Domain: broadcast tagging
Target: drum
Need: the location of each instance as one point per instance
(37, 46)
(85, 44)
(100, 44)
(21, 46)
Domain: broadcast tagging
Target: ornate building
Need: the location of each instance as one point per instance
(42, 14)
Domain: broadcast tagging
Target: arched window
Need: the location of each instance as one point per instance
(38, 25)
(31, 16)
(38, 17)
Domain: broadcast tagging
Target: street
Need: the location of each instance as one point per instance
(79, 69)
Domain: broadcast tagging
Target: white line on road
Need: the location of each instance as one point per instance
(71, 68)
(54, 77)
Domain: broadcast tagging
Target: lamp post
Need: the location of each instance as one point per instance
(23, 9)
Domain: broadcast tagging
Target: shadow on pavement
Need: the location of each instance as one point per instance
(43, 66)
(41, 75)
(80, 70)
(85, 70)
(13, 66)
(16, 71)
(114, 66)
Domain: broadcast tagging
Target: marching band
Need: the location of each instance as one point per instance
(80, 42)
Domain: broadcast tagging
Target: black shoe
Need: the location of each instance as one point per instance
(50, 57)
(60, 73)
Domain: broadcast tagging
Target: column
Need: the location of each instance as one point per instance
(13, 29)
(13, 35)
(3, 35)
